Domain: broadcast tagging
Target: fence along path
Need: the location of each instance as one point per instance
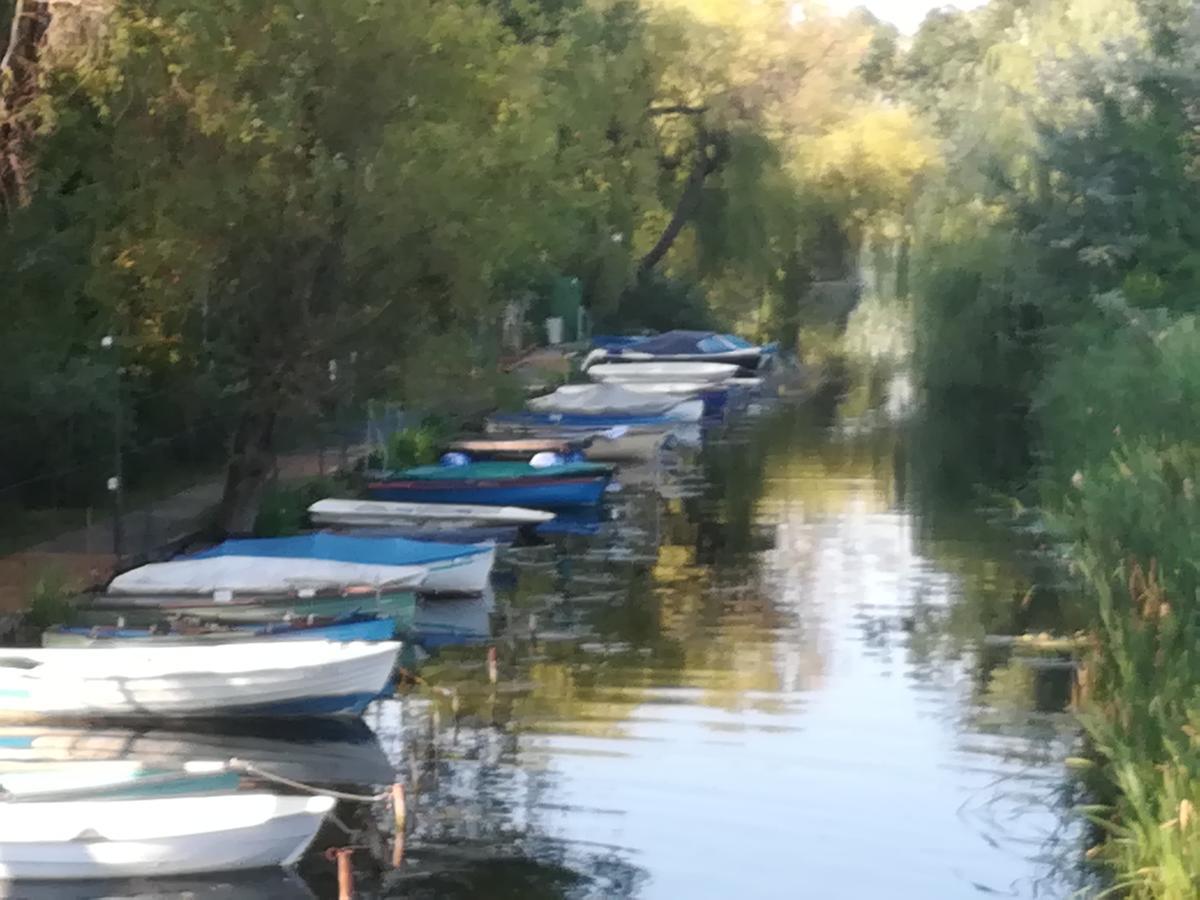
(85, 554)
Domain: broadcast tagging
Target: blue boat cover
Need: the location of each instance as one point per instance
(375, 550)
(672, 343)
(614, 342)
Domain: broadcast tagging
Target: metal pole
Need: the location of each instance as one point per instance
(116, 483)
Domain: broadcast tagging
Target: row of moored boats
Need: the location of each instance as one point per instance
(311, 625)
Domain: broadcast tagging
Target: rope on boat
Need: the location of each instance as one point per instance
(251, 769)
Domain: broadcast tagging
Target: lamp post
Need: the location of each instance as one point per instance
(116, 485)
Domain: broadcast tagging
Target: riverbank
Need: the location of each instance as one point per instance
(1133, 527)
(84, 556)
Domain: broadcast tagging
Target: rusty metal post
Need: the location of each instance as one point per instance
(345, 874)
(400, 812)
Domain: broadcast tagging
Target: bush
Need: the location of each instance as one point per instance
(52, 601)
(284, 509)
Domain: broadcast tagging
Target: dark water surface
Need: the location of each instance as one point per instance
(759, 679)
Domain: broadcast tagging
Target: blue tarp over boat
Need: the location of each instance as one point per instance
(373, 550)
(686, 346)
(614, 342)
(451, 567)
(691, 343)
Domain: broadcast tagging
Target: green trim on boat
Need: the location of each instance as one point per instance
(497, 470)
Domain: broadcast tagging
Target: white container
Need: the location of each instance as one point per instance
(554, 330)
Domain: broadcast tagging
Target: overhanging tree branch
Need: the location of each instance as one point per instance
(676, 109)
(708, 158)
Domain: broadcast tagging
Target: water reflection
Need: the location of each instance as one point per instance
(761, 676)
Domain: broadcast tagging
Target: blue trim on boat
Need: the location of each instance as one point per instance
(373, 550)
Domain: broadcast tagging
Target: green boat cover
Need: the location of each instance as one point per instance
(499, 470)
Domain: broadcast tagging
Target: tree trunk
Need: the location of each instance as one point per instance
(795, 289)
(689, 200)
(250, 465)
(19, 55)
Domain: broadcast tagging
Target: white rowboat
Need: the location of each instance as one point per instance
(601, 400)
(39, 782)
(162, 836)
(622, 373)
(379, 513)
(258, 574)
(261, 678)
(679, 389)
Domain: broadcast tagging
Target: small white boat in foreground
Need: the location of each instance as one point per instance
(258, 678)
(662, 372)
(162, 836)
(381, 513)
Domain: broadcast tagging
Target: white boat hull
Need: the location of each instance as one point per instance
(466, 574)
(261, 678)
(258, 574)
(655, 372)
(74, 840)
(681, 389)
(605, 399)
(379, 513)
(686, 411)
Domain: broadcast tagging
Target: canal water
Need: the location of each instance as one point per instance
(764, 675)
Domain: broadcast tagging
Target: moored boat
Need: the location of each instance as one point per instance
(679, 411)
(686, 346)
(259, 678)
(206, 573)
(41, 782)
(362, 627)
(161, 836)
(376, 513)
(498, 483)
(616, 444)
(147, 606)
(519, 448)
(603, 399)
(630, 372)
(449, 568)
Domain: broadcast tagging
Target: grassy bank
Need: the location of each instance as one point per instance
(1133, 520)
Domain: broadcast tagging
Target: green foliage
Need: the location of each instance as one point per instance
(658, 303)
(285, 505)
(1056, 278)
(52, 599)
(417, 446)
